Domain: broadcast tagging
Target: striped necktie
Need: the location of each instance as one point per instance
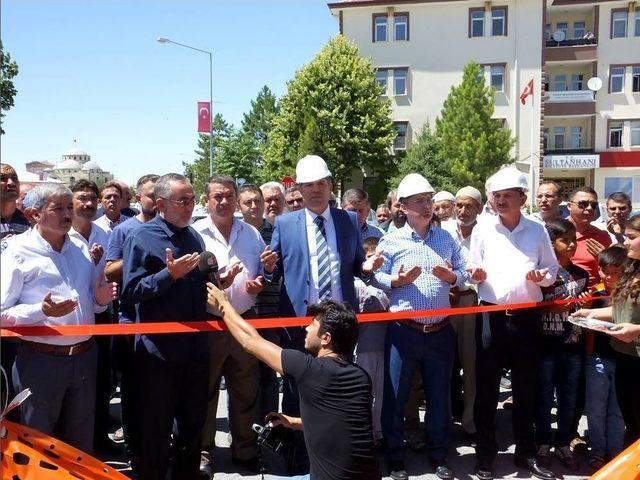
(324, 265)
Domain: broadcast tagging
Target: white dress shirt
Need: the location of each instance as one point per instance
(507, 256)
(245, 246)
(334, 257)
(107, 225)
(31, 268)
(98, 235)
(451, 226)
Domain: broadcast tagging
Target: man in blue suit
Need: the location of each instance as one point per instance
(317, 252)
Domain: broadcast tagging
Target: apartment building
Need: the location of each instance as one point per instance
(571, 133)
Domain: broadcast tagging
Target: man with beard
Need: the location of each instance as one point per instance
(443, 205)
(111, 199)
(398, 217)
(49, 279)
(13, 221)
(468, 205)
(548, 202)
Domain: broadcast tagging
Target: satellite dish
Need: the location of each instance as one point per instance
(559, 36)
(594, 84)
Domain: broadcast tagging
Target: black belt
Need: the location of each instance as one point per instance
(61, 350)
(426, 327)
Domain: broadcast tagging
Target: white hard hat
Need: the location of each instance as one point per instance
(507, 178)
(311, 168)
(444, 195)
(413, 184)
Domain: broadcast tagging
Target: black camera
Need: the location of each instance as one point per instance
(274, 438)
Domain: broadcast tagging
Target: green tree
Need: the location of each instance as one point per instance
(198, 170)
(332, 108)
(8, 70)
(424, 157)
(238, 155)
(473, 144)
(258, 122)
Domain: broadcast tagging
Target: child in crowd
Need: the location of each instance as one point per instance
(606, 425)
(370, 347)
(561, 347)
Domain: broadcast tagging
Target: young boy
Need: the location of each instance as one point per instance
(606, 426)
(370, 347)
(561, 345)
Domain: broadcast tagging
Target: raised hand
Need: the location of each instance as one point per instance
(404, 278)
(445, 272)
(103, 291)
(373, 263)
(215, 296)
(268, 259)
(230, 273)
(594, 247)
(478, 274)
(52, 308)
(179, 267)
(536, 276)
(96, 251)
(613, 226)
(254, 287)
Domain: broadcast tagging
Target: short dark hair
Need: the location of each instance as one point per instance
(613, 256)
(583, 189)
(112, 184)
(338, 319)
(552, 183)
(354, 195)
(222, 179)
(370, 243)
(249, 187)
(559, 227)
(620, 197)
(150, 177)
(291, 189)
(83, 184)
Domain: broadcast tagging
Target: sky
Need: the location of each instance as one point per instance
(91, 71)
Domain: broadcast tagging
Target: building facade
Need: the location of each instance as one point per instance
(571, 133)
(76, 164)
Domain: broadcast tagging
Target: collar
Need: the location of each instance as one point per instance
(499, 225)
(236, 227)
(42, 243)
(312, 216)
(409, 232)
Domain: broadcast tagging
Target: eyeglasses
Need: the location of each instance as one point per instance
(294, 200)
(184, 202)
(584, 204)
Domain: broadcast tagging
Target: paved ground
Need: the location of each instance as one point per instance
(462, 460)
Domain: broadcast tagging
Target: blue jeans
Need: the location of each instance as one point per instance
(606, 426)
(407, 349)
(557, 372)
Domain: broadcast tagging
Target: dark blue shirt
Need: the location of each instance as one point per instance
(150, 292)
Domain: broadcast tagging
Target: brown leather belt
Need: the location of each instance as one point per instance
(61, 350)
(426, 328)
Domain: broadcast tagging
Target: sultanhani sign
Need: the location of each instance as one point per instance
(566, 162)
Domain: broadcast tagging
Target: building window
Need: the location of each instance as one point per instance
(578, 29)
(381, 80)
(400, 143)
(400, 81)
(497, 77)
(547, 31)
(615, 134)
(545, 138)
(401, 26)
(498, 22)
(576, 82)
(558, 138)
(637, 23)
(616, 77)
(635, 79)
(379, 27)
(559, 83)
(476, 22)
(562, 27)
(619, 23)
(576, 137)
(635, 133)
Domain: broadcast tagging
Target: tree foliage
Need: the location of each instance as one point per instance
(238, 156)
(258, 122)
(332, 108)
(8, 70)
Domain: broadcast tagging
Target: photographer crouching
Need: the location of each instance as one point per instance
(335, 393)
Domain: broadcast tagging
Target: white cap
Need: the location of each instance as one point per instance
(311, 168)
(470, 192)
(507, 178)
(444, 195)
(413, 184)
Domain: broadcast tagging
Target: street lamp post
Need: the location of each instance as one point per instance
(166, 40)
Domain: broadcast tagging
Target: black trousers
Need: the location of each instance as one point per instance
(104, 385)
(628, 393)
(170, 390)
(506, 340)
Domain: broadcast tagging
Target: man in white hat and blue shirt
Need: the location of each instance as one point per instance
(421, 264)
(316, 251)
(510, 258)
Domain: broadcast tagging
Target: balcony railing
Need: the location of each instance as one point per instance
(572, 42)
(570, 96)
(569, 151)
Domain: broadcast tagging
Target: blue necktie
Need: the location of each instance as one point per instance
(324, 264)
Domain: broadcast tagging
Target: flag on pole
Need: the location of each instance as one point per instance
(204, 117)
(528, 90)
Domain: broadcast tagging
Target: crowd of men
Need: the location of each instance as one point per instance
(84, 255)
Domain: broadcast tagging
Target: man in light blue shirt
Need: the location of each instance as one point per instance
(421, 264)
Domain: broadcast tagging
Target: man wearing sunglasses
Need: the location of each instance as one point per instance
(583, 203)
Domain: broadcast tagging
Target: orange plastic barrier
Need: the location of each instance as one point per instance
(625, 466)
(28, 454)
(218, 325)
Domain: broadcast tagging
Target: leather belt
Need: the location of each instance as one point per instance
(425, 327)
(61, 350)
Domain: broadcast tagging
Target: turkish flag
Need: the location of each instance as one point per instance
(528, 90)
(204, 117)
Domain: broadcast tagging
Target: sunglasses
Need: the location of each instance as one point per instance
(584, 204)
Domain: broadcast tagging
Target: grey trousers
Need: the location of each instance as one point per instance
(63, 398)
